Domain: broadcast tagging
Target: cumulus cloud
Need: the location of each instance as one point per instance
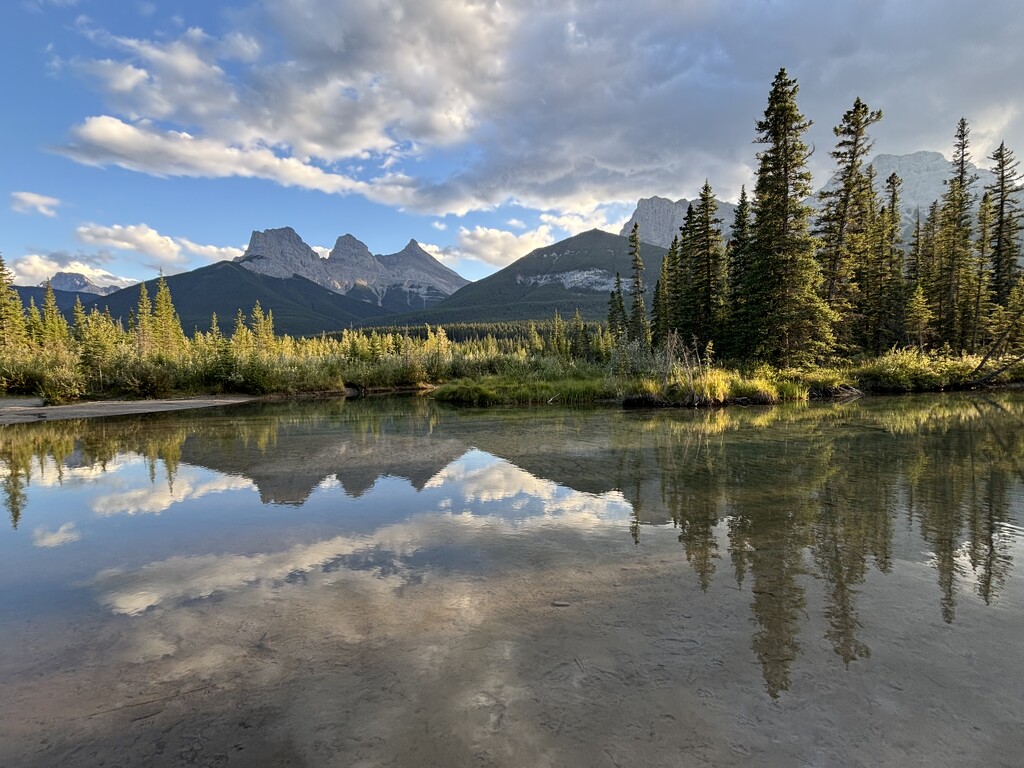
(165, 251)
(548, 105)
(34, 268)
(500, 247)
(30, 202)
(137, 237)
(212, 252)
(66, 534)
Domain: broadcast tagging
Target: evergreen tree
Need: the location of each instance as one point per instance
(55, 331)
(795, 323)
(708, 271)
(894, 288)
(639, 327)
(13, 330)
(953, 244)
(1006, 223)
(844, 222)
(168, 337)
(617, 321)
(144, 322)
(740, 324)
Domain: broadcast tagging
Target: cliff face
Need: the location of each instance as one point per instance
(409, 279)
(73, 281)
(660, 219)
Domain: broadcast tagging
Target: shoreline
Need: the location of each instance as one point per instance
(25, 410)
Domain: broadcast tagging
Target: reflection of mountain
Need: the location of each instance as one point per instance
(353, 444)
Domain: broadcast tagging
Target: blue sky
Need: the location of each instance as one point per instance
(145, 135)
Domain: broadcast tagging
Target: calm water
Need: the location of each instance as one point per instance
(395, 583)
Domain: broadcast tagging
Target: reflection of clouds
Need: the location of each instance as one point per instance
(168, 581)
(47, 473)
(479, 478)
(63, 535)
(188, 484)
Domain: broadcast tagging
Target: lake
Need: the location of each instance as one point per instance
(396, 583)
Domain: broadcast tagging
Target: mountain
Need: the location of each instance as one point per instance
(660, 219)
(399, 282)
(924, 176)
(75, 281)
(575, 273)
(300, 306)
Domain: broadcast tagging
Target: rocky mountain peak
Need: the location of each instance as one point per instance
(75, 281)
(282, 253)
(660, 218)
(348, 246)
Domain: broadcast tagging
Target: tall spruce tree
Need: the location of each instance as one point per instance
(1006, 223)
(708, 271)
(844, 222)
(794, 323)
(953, 244)
(617, 320)
(639, 327)
(738, 321)
(13, 330)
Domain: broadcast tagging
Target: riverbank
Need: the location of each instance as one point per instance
(22, 410)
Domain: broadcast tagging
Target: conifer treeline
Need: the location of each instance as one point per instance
(789, 290)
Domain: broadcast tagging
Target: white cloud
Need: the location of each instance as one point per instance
(440, 226)
(212, 252)
(30, 202)
(107, 140)
(167, 252)
(34, 268)
(321, 250)
(516, 223)
(66, 534)
(139, 238)
(500, 247)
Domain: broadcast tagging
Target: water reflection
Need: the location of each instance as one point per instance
(797, 507)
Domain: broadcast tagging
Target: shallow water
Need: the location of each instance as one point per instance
(396, 583)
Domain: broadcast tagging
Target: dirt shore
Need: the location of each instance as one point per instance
(20, 410)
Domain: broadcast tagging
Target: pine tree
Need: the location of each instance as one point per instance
(795, 324)
(844, 223)
(953, 244)
(168, 336)
(708, 272)
(617, 321)
(13, 330)
(1006, 223)
(144, 323)
(739, 322)
(639, 327)
(55, 331)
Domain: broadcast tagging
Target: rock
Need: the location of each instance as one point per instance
(659, 219)
(559, 604)
(409, 279)
(74, 281)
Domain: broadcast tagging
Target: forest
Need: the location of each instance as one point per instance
(790, 303)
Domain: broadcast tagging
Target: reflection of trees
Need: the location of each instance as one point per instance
(830, 481)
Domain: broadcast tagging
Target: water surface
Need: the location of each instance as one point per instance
(397, 583)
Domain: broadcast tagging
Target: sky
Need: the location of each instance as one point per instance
(141, 136)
